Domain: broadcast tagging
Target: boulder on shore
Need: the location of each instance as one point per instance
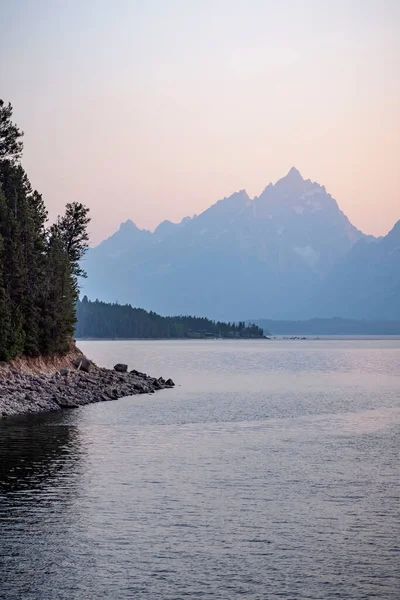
(121, 368)
(82, 364)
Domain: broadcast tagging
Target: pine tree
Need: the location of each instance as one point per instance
(58, 301)
(13, 257)
(10, 143)
(39, 268)
(35, 257)
(5, 318)
(72, 229)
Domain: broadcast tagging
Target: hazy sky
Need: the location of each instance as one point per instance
(155, 109)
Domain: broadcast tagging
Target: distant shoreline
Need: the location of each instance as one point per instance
(282, 338)
(335, 326)
(174, 339)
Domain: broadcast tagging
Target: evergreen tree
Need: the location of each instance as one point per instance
(72, 229)
(35, 257)
(10, 143)
(38, 267)
(58, 300)
(5, 317)
(14, 267)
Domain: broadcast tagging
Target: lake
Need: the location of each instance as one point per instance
(270, 472)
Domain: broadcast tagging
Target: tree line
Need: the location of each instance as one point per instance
(97, 319)
(39, 264)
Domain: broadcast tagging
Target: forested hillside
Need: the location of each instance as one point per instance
(39, 265)
(113, 321)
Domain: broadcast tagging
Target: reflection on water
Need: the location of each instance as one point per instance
(39, 482)
(34, 456)
(260, 477)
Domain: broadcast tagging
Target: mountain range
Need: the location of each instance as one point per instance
(289, 253)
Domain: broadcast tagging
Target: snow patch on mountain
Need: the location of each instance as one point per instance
(308, 254)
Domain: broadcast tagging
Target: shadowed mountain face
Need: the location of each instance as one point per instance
(366, 281)
(284, 254)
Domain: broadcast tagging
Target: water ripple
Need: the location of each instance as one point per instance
(271, 473)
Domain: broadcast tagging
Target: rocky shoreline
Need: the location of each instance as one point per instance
(26, 393)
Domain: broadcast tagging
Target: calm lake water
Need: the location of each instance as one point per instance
(270, 472)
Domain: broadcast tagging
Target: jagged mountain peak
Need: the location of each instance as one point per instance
(128, 225)
(289, 186)
(289, 253)
(292, 179)
(127, 235)
(294, 175)
(128, 229)
(240, 195)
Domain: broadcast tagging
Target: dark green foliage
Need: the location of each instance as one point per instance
(5, 314)
(10, 142)
(58, 314)
(38, 267)
(113, 321)
(72, 230)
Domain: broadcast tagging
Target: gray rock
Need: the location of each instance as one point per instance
(82, 364)
(138, 374)
(121, 368)
(23, 394)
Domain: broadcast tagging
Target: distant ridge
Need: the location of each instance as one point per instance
(290, 253)
(334, 326)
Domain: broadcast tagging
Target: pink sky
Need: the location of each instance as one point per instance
(155, 110)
